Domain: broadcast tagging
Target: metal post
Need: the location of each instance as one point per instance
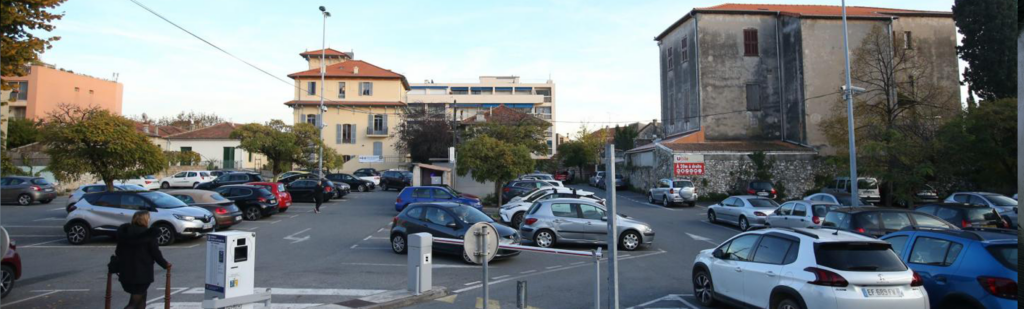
(487, 292)
(320, 110)
(613, 231)
(521, 295)
(855, 198)
(455, 139)
(597, 278)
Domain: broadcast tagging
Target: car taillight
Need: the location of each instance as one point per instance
(394, 221)
(965, 223)
(72, 208)
(262, 199)
(918, 282)
(530, 221)
(826, 278)
(506, 189)
(36, 188)
(999, 287)
(751, 191)
(816, 220)
(860, 230)
(220, 211)
(760, 214)
(149, 182)
(773, 190)
(398, 200)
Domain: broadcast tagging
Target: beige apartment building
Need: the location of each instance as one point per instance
(362, 107)
(469, 99)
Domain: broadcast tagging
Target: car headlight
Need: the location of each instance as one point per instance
(647, 230)
(185, 218)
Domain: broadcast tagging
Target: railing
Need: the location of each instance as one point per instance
(542, 116)
(370, 131)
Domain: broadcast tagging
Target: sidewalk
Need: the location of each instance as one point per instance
(388, 300)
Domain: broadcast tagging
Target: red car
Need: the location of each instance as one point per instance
(562, 176)
(284, 199)
(10, 270)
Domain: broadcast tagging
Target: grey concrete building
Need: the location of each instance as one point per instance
(773, 72)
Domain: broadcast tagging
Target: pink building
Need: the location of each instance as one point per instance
(35, 95)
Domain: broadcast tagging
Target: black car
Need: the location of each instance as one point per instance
(876, 222)
(254, 201)
(395, 180)
(966, 215)
(446, 220)
(762, 188)
(218, 173)
(521, 187)
(366, 171)
(302, 190)
(236, 178)
(354, 182)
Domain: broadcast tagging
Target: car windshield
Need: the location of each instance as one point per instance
(848, 200)
(132, 187)
(543, 177)
(821, 210)
(682, 184)
(858, 256)
(1007, 255)
(40, 181)
(867, 183)
(163, 200)
(761, 185)
(833, 219)
(762, 202)
(1000, 200)
(470, 215)
(265, 192)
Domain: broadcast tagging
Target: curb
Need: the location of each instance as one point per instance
(409, 299)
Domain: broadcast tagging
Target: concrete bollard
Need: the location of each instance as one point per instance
(420, 261)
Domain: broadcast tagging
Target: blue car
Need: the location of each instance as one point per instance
(429, 194)
(970, 268)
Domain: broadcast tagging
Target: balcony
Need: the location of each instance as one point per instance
(542, 116)
(383, 132)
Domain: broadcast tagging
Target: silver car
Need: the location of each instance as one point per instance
(796, 214)
(596, 179)
(745, 211)
(1006, 206)
(669, 192)
(77, 195)
(579, 221)
(102, 213)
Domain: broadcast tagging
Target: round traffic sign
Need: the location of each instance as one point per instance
(473, 245)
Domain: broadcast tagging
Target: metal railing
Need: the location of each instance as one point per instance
(371, 131)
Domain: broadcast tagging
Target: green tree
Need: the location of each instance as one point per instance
(989, 30)
(978, 151)
(513, 127)
(424, 136)
(21, 132)
(333, 161)
(20, 21)
(490, 159)
(187, 121)
(625, 136)
(273, 139)
(91, 140)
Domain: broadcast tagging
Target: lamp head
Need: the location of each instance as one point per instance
(323, 9)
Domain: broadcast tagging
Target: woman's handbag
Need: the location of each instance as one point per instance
(114, 266)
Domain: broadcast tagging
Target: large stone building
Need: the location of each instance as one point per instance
(362, 102)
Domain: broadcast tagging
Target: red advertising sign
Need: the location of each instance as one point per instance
(689, 169)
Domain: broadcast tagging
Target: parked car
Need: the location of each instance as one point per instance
(457, 192)
(10, 269)
(431, 194)
(218, 173)
(355, 183)
(102, 213)
(555, 221)
(25, 190)
(841, 198)
(805, 268)
(999, 202)
(745, 211)
(186, 179)
(225, 213)
(563, 176)
(289, 174)
(512, 213)
(596, 179)
(148, 182)
(284, 199)
(231, 178)
(520, 187)
(542, 177)
(530, 194)
(368, 174)
(395, 180)
(302, 190)
(927, 194)
(81, 191)
(762, 188)
(962, 269)
(447, 220)
(795, 214)
(254, 201)
(966, 215)
(670, 192)
(877, 222)
(340, 189)
(620, 182)
(867, 188)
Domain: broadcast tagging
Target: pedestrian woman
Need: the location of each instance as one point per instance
(136, 252)
(318, 195)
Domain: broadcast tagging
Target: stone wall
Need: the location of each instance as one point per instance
(90, 179)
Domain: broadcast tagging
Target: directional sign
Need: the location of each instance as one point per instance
(474, 242)
(295, 239)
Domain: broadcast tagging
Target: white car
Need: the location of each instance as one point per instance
(669, 192)
(513, 212)
(149, 182)
(186, 179)
(806, 268)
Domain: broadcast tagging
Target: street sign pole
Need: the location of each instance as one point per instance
(483, 246)
(848, 92)
(613, 231)
(597, 278)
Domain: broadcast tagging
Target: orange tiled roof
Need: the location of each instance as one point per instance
(217, 131)
(157, 130)
(348, 69)
(502, 114)
(318, 52)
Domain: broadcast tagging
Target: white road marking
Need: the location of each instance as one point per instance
(35, 226)
(371, 248)
(17, 236)
(367, 238)
(50, 219)
(670, 297)
(59, 208)
(296, 240)
(576, 263)
(436, 265)
(191, 305)
(500, 277)
(175, 291)
(298, 291)
(45, 242)
(31, 298)
(553, 267)
(551, 271)
(528, 271)
(701, 238)
(472, 283)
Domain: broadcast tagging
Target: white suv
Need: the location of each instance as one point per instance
(513, 212)
(186, 179)
(806, 269)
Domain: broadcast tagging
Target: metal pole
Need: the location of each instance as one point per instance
(597, 278)
(320, 110)
(487, 292)
(855, 200)
(455, 138)
(613, 231)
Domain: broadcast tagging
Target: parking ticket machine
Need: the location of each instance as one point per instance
(230, 264)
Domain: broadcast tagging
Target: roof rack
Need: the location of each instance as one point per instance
(805, 233)
(990, 229)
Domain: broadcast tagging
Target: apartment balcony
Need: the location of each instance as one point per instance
(478, 98)
(370, 132)
(542, 116)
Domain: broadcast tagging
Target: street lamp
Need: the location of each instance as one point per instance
(323, 71)
(848, 92)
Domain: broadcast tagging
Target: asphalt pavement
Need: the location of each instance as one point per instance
(343, 253)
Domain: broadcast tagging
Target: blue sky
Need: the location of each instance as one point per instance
(601, 54)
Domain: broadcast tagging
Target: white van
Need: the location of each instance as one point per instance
(867, 188)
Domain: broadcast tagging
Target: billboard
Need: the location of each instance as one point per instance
(688, 164)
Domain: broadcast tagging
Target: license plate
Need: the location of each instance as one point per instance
(882, 292)
(762, 193)
(48, 190)
(238, 218)
(273, 201)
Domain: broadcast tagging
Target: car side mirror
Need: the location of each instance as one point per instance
(452, 225)
(604, 218)
(718, 254)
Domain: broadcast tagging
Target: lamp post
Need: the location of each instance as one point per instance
(848, 92)
(320, 112)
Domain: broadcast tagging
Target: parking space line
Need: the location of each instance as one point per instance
(373, 248)
(45, 242)
(553, 267)
(576, 263)
(528, 271)
(500, 277)
(34, 226)
(472, 283)
(17, 236)
(59, 208)
(367, 238)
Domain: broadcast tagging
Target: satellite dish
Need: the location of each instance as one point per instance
(474, 241)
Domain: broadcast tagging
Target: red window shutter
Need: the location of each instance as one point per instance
(750, 43)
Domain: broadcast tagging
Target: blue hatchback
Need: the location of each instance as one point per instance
(430, 194)
(971, 268)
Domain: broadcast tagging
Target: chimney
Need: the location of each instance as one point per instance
(355, 70)
(145, 128)
(157, 130)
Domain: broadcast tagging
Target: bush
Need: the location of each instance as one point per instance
(490, 200)
(712, 197)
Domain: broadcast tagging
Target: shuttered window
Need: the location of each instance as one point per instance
(750, 43)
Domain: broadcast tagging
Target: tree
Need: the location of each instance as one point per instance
(307, 138)
(978, 150)
(494, 160)
(21, 132)
(584, 150)
(423, 136)
(513, 127)
(19, 22)
(625, 136)
(273, 139)
(91, 140)
(989, 46)
(185, 121)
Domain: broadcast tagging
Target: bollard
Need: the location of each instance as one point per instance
(167, 290)
(521, 294)
(419, 247)
(106, 299)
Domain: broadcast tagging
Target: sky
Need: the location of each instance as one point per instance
(601, 54)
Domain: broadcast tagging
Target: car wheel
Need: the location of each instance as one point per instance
(252, 213)
(744, 224)
(544, 239)
(282, 210)
(665, 202)
(788, 303)
(195, 185)
(362, 188)
(45, 201)
(24, 200)
(165, 185)
(6, 280)
(517, 220)
(630, 241)
(165, 234)
(78, 233)
(711, 216)
(398, 244)
(703, 288)
(465, 258)
(650, 198)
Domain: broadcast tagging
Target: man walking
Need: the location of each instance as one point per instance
(318, 195)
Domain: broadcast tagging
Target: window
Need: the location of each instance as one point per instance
(442, 194)
(750, 42)
(741, 248)
(108, 200)
(415, 212)
(591, 213)
(562, 210)
(91, 189)
(348, 135)
(858, 256)
(378, 148)
(460, 90)
(438, 216)
(180, 175)
(908, 40)
(761, 202)
(800, 210)
(341, 90)
(311, 88)
(895, 220)
(378, 122)
(772, 250)
(524, 90)
(929, 221)
(786, 209)
(366, 88)
(192, 174)
(185, 199)
(898, 243)
(346, 158)
(936, 252)
(19, 91)
(311, 119)
(684, 49)
(503, 90)
(753, 97)
(834, 219)
(421, 193)
(481, 90)
(186, 149)
(669, 63)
